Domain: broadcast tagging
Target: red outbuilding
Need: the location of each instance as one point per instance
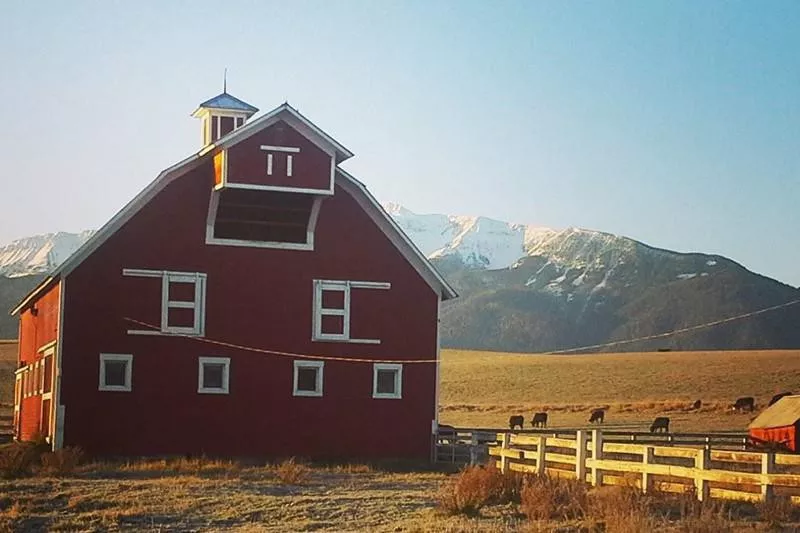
(777, 426)
(253, 300)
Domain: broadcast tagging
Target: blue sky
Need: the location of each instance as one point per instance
(676, 123)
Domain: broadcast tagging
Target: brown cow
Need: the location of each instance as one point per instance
(539, 420)
(778, 397)
(747, 402)
(696, 405)
(598, 415)
(661, 423)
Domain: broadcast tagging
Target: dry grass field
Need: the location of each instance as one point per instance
(481, 389)
(477, 389)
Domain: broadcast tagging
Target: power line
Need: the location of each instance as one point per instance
(279, 353)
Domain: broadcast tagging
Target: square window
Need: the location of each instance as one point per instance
(115, 372)
(308, 378)
(213, 375)
(387, 380)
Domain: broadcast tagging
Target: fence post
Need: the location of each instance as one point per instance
(580, 455)
(541, 451)
(504, 451)
(702, 462)
(767, 468)
(647, 459)
(597, 454)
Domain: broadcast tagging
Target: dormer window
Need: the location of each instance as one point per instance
(268, 219)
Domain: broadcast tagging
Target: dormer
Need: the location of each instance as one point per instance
(270, 179)
(221, 115)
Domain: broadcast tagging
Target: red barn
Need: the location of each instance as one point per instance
(253, 300)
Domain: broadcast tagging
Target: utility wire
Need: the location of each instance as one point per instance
(429, 361)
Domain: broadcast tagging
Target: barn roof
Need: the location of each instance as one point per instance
(784, 412)
(316, 135)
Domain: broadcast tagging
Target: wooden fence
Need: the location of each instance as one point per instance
(712, 473)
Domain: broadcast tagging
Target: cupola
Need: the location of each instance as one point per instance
(221, 115)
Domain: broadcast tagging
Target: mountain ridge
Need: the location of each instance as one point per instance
(532, 288)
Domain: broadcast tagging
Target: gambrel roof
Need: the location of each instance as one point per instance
(291, 116)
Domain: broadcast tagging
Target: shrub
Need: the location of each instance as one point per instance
(62, 462)
(777, 510)
(291, 472)
(17, 459)
(621, 509)
(469, 490)
(544, 498)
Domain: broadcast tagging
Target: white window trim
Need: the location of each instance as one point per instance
(213, 206)
(320, 366)
(398, 380)
(321, 285)
(226, 375)
(198, 304)
(128, 358)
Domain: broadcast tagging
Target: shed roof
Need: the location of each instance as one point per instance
(228, 101)
(784, 412)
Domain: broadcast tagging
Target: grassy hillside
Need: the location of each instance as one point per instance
(8, 363)
(484, 388)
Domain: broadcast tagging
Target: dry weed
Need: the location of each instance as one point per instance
(777, 511)
(16, 460)
(290, 472)
(61, 462)
(551, 498)
(470, 490)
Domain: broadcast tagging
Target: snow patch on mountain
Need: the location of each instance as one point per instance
(39, 254)
(477, 241)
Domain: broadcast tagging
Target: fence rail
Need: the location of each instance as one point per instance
(712, 473)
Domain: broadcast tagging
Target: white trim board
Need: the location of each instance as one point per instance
(319, 366)
(226, 375)
(396, 235)
(116, 357)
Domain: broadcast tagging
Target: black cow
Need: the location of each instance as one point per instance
(598, 415)
(778, 397)
(539, 420)
(661, 423)
(745, 403)
(696, 405)
(516, 420)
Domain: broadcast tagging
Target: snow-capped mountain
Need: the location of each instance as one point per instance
(39, 254)
(476, 241)
(529, 288)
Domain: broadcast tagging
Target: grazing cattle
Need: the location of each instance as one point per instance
(696, 405)
(661, 423)
(539, 420)
(778, 397)
(598, 415)
(745, 403)
(516, 420)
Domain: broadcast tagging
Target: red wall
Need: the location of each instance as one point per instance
(247, 162)
(256, 297)
(35, 332)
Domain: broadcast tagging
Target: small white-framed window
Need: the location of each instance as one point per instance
(308, 378)
(183, 301)
(213, 375)
(116, 372)
(387, 380)
(332, 309)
